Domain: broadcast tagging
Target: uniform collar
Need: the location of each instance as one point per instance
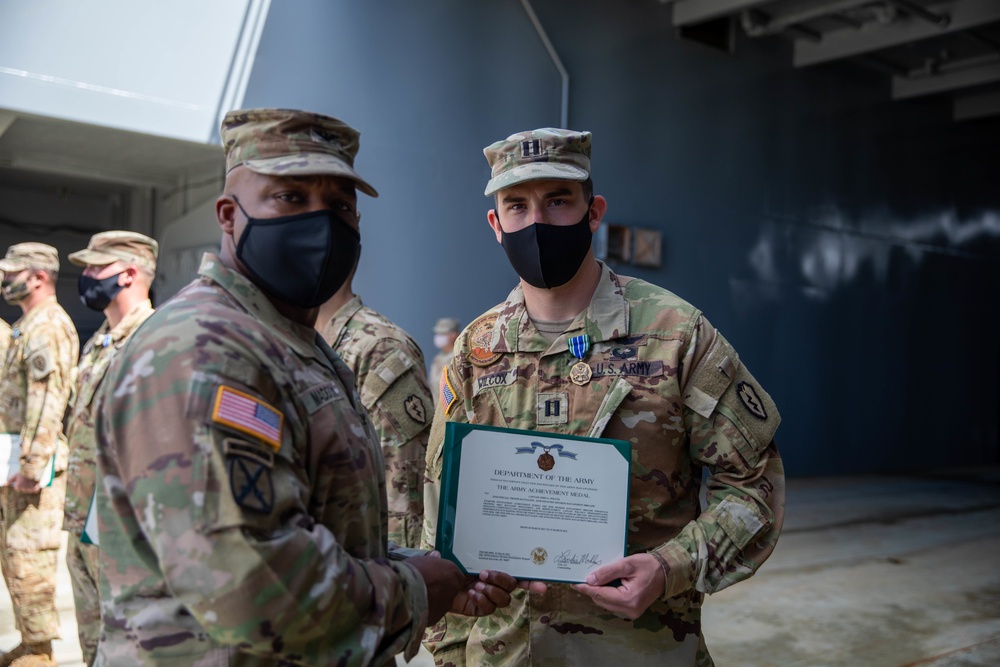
(343, 316)
(606, 318)
(24, 322)
(132, 319)
(300, 337)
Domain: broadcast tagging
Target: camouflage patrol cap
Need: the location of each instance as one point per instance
(30, 255)
(109, 247)
(446, 325)
(537, 155)
(287, 142)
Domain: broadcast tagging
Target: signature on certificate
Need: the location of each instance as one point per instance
(567, 558)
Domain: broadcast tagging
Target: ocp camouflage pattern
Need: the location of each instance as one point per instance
(82, 559)
(665, 380)
(239, 536)
(388, 368)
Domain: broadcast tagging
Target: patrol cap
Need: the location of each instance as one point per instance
(536, 155)
(287, 142)
(30, 255)
(446, 325)
(108, 247)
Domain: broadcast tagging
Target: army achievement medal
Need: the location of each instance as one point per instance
(546, 461)
(580, 373)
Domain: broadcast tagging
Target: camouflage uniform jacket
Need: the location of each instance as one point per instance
(441, 360)
(4, 341)
(35, 385)
(94, 360)
(668, 382)
(389, 372)
(242, 511)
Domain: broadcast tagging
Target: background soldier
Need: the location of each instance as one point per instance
(388, 369)
(119, 267)
(576, 349)
(34, 388)
(445, 332)
(242, 509)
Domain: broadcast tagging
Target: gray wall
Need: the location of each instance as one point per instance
(847, 245)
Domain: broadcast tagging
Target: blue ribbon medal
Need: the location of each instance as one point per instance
(580, 373)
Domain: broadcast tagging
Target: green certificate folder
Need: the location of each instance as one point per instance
(534, 504)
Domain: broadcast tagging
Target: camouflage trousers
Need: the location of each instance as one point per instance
(30, 526)
(82, 561)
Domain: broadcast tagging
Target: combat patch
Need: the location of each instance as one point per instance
(553, 408)
(481, 342)
(248, 414)
(627, 367)
(251, 485)
(414, 407)
(448, 397)
(498, 379)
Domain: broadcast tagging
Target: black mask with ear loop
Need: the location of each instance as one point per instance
(548, 256)
(301, 259)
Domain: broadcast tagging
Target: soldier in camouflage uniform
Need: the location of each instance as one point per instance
(577, 349)
(241, 496)
(388, 369)
(34, 388)
(4, 338)
(119, 267)
(445, 334)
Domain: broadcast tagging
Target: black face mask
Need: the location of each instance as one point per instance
(548, 256)
(302, 259)
(98, 293)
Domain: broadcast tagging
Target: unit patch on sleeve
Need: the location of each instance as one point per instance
(248, 414)
(751, 401)
(414, 407)
(250, 482)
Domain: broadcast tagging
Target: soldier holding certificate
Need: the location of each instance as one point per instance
(576, 349)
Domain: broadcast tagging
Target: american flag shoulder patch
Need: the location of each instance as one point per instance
(248, 414)
(448, 397)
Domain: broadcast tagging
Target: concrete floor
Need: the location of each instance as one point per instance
(874, 571)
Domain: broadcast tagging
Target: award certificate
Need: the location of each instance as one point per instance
(532, 504)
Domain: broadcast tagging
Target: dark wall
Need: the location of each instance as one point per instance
(846, 244)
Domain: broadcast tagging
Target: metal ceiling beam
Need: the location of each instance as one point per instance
(803, 11)
(969, 107)
(963, 15)
(688, 12)
(66, 166)
(905, 87)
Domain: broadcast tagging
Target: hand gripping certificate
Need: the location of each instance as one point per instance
(535, 505)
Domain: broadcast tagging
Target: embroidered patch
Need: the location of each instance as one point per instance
(481, 342)
(638, 368)
(249, 415)
(448, 397)
(751, 401)
(501, 379)
(250, 482)
(414, 407)
(553, 408)
(249, 450)
(318, 396)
